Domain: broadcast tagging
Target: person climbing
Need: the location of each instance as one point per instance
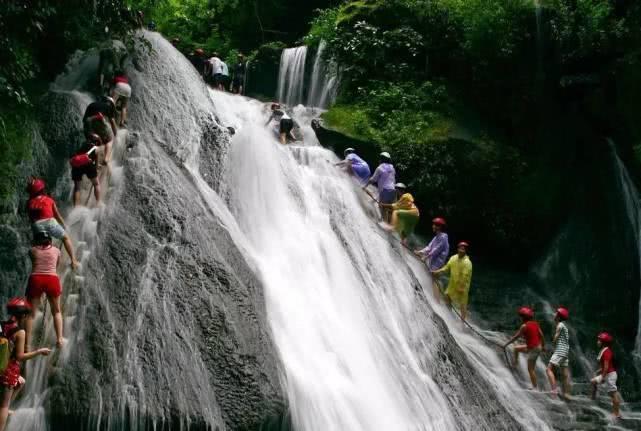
(100, 118)
(240, 69)
(436, 252)
(405, 214)
(112, 57)
(120, 94)
(224, 79)
(44, 279)
(45, 217)
(534, 342)
(286, 124)
(607, 375)
(214, 70)
(559, 359)
(198, 60)
(84, 163)
(459, 268)
(14, 330)
(385, 178)
(356, 166)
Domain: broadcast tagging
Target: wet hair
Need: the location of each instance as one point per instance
(42, 238)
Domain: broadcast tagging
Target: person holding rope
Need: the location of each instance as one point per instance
(385, 178)
(559, 359)
(84, 163)
(45, 217)
(436, 252)
(459, 268)
(534, 342)
(354, 165)
(14, 331)
(405, 213)
(44, 279)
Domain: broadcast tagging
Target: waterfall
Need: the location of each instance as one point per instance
(229, 276)
(324, 81)
(632, 201)
(291, 76)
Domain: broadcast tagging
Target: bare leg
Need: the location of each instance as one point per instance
(76, 193)
(616, 403)
(532, 372)
(464, 312)
(96, 189)
(54, 303)
(551, 377)
(594, 389)
(123, 114)
(437, 290)
(567, 390)
(108, 152)
(35, 304)
(4, 406)
(69, 247)
(283, 138)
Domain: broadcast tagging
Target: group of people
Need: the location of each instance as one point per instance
(216, 72)
(400, 213)
(100, 125)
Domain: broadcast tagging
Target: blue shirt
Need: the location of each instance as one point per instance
(359, 167)
(437, 251)
(384, 177)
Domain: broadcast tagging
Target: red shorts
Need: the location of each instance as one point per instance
(44, 283)
(11, 374)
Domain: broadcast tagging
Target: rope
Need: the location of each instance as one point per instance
(438, 284)
(89, 195)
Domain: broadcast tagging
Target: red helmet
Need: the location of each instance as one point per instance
(35, 186)
(526, 312)
(439, 221)
(563, 313)
(275, 105)
(463, 244)
(18, 305)
(604, 337)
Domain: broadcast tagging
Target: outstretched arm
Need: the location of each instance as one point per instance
(515, 337)
(57, 215)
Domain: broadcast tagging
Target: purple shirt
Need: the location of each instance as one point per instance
(384, 177)
(436, 251)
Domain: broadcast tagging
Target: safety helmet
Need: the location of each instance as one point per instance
(348, 151)
(604, 337)
(19, 305)
(385, 155)
(94, 139)
(463, 244)
(400, 186)
(439, 221)
(35, 186)
(526, 312)
(563, 313)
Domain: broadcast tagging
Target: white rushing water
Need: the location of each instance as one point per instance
(291, 82)
(323, 82)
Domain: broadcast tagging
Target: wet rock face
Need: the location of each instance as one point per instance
(171, 329)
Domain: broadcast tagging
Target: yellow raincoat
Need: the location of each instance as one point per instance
(460, 269)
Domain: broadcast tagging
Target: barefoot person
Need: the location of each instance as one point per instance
(559, 360)
(436, 252)
(45, 217)
(607, 373)
(14, 331)
(44, 279)
(84, 163)
(354, 165)
(534, 342)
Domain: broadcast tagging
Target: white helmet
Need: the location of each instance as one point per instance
(400, 186)
(348, 151)
(386, 155)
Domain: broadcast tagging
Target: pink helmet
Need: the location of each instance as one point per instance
(526, 312)
(604, 337)
(35, 186)
(563, 313)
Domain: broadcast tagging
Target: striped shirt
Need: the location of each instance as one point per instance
(562, 347)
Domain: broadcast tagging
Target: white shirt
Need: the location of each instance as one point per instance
(216, 65)
(225, 69)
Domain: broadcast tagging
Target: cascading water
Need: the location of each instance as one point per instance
(324, 81)
(291, 77)
(171, 329)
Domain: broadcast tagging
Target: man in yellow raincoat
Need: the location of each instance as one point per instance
(460, 269)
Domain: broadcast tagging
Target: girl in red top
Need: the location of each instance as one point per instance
(45, 217)
(534, 342)
(44, 279)
(18, 309)
(607, 373)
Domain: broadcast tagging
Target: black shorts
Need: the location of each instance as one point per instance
(219, 79)
(286, 125)
(238, 81)
(90, 170)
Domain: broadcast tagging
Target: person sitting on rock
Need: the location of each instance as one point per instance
(84, 163)
(356, 166)
(45, 217)
(436, 252)
(286, 124)
(534, 342)
(100, 118)
(606, 375)
(44, 279)
(14, 330)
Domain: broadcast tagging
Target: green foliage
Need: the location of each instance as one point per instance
(15, 140)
